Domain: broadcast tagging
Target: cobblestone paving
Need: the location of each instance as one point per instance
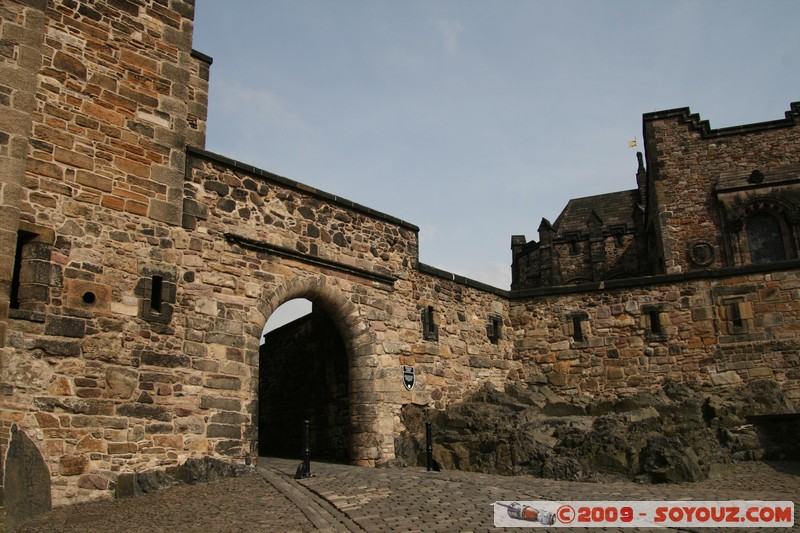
(415, 500)
(343, 498)
(246, 503)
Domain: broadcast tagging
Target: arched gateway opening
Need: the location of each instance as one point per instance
(305, 374)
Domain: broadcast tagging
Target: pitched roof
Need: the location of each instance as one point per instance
(613, 209)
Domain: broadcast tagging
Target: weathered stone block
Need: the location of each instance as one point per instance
(65, 326)
(174, 442)
(94, 482)
(120, 382)
(224, 431)
(139, 410)
(90, 444)
(72, 465)
(222, 404)
(223, 382)
(228, 418)
(122, 448)
(127, 486)
(164, 359)
(58, 347)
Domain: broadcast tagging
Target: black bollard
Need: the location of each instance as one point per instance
(433, 466)
(304, 470)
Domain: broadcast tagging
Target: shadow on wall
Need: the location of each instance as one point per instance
(677, 434)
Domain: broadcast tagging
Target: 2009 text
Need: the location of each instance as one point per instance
(644, 514)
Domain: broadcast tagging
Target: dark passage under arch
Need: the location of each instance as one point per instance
(304, 374)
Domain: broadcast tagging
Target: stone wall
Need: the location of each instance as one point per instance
(635, 335)
(162, 363)
(98, 103)
(138, 276)
(685, 159)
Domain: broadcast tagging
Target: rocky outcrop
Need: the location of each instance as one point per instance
(677, 434)
(194, 470)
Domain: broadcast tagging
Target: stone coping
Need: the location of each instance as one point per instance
(662, 279)
(300, 187)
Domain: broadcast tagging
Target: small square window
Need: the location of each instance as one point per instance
(653, 323)
(737, 315)
(572, 240)
(158, 294)
(577, 325)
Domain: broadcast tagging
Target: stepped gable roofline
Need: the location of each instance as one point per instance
(275, 178)
(613, 209)
(685, 116)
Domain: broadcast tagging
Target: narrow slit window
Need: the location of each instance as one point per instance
(430, 331)
(156, 293)
(736, 316)
(15, 280)
(655, 323)
(28, 279)
(577, 328)
(493, 329)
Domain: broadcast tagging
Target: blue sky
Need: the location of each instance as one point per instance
(475, 119)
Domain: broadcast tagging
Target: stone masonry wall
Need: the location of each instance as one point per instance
(699, 341)
(148, 270)
(98, 102)
(21, 30)
(289, 229)
(685, 160)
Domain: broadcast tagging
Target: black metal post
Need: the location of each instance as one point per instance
(429, 445)
(304, 470)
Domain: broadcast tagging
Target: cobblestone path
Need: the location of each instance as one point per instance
(340, 498)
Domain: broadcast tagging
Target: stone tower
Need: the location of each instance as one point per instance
(98, 101)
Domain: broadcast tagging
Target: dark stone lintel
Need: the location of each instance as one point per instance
(261, 246)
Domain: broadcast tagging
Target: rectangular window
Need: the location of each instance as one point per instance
(493, 329)
(430, 331)
(22, 239)
(578, 321)
(655, 322)
(577, 328)
(653, 325)
(618, 233)
(156, 294)
(30, 276)
(572, 240)
(736, 316)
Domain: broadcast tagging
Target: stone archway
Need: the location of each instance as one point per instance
(347, 341)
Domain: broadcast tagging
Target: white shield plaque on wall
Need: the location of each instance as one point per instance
(408, 377)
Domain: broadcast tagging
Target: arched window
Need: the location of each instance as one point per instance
(764, 238)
